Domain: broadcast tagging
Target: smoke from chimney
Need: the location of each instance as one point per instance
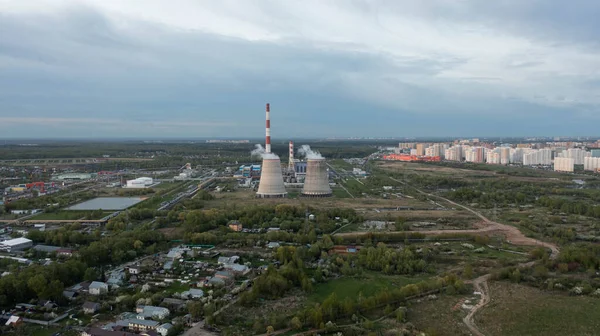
(307, 152)
(260, 151)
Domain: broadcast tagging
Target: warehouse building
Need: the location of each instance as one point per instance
(140, 182)
(17, 244)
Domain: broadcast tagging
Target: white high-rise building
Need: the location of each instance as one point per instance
(534, 157)
(563, 164)
(577, 154)
(454, 153)
(475, 154)
(493, 157)
(591, 163)
(516, 155)
(505, 155)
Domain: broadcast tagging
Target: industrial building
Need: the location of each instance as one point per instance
(140, 182)
(73, 176)
(316, 183)
(271, 178)
(17, 244)
(249, 171)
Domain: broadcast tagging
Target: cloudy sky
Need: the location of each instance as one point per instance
(194, 68)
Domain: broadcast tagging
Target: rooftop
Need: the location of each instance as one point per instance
(16, 241)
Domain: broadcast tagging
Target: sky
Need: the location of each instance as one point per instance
(336, 68)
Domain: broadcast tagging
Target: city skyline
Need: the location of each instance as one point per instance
(189, 69)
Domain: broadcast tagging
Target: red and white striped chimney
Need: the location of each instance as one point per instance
(291, 164)
(268, 132)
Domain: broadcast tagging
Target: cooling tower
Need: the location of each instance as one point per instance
(316, 183)
(271, 180)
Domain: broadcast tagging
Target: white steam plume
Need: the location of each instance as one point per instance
(260, 151)
(307, 152)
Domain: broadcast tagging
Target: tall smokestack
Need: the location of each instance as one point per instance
(291, 164)
(268, 130)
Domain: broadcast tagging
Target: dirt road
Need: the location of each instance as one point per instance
(486, 227)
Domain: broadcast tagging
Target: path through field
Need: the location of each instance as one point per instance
(513, 235)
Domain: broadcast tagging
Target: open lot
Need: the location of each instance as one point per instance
(522, 310)
(440, 317)
(71, 215)
(107, 203)
(370, 283)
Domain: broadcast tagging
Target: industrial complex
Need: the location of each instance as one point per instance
(312, 174)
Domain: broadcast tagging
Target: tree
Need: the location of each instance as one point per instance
(295, 323)
(400, 224)
(400, 315)
(270, 330)
(91, 274)
(468, 271)
(38, 284)
(195, 309)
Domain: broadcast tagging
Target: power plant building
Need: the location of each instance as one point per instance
(316, 183)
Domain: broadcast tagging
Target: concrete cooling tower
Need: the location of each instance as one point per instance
(316, 183)
(271, 180)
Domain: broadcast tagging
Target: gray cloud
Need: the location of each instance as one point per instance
(343, 63)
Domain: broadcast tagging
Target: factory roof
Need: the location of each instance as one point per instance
(16, 241)
(46, 248)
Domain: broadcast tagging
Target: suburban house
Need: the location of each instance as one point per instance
(193, 293)
(235, 226)
(175, 304)
(143, 325)
(134, 270)
(149, 312)
(98, 288)
(163, 329)
(215, 282)
(67, 253)
(91, 307)
(237, 268)
(273, 245)
(103, 332)
(228, 260)
(47, 304)
(14, 321)
(225, 275)
(80, 287)
(70, 295)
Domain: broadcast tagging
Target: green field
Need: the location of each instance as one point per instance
(166, 185)
(339, 192)
(71, 215)
(369, 284)
(526, 311)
